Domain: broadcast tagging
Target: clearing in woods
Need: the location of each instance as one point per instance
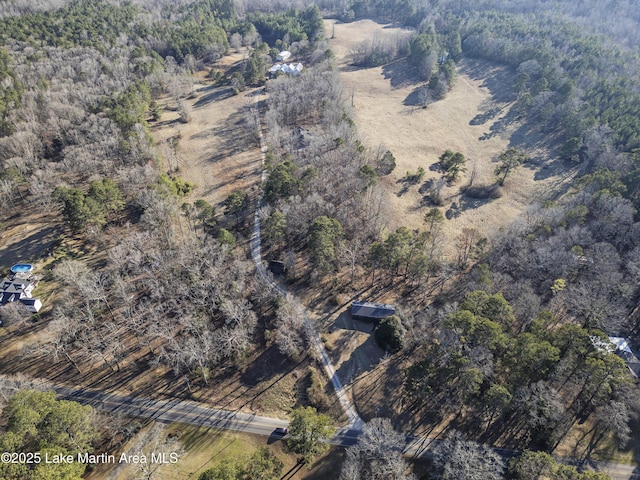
(475, 118)
(216, 149)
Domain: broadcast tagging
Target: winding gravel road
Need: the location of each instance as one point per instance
(256, 254)
(182, 411)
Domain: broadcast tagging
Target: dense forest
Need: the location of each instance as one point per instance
(79, 85)
(507, 333)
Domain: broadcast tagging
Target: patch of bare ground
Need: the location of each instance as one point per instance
(27, 238)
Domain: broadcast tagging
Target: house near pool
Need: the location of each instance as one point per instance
(17, 287)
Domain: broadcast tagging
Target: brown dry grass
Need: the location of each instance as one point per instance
(25, 238)
(578, 440)
(386, 113)
(216, 151)
(205, 448)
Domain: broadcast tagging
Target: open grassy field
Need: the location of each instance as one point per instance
(200, 449)
(216, 150)
(475, 118)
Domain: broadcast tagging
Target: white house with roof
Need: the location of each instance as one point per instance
(294, 69)
(621, 347)
(17, 289)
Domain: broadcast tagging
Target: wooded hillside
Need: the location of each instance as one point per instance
(504, 333)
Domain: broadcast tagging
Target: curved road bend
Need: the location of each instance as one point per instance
(256, 254)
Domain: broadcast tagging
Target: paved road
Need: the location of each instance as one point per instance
(168, 411)
(256, 254)
(182, 411)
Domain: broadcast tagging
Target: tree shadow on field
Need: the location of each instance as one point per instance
(468, 203)
(543, 150)
(634, 444)
(214, 95)
(289, 474)
(407, 182)
(501, 125)
(16, 364)
(233, 137)
(477, 196)
(350, 67)
(400, 73)
(32, 247)
(366, 355)
(499, 80)
(265, 366)
(426, 188)
(415, 98)
(346, 322)
(362, 359)
(108, 380)
(325, 466)
(484, 117)
(166, 123)
(259, 376)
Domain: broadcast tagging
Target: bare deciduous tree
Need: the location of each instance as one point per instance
(290, 334)
(155, 441)
(378, 454)
(456, 457)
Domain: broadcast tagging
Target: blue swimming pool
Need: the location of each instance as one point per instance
(22, 268)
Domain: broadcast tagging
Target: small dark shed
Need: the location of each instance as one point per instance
(371, 311)
(277, 267)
